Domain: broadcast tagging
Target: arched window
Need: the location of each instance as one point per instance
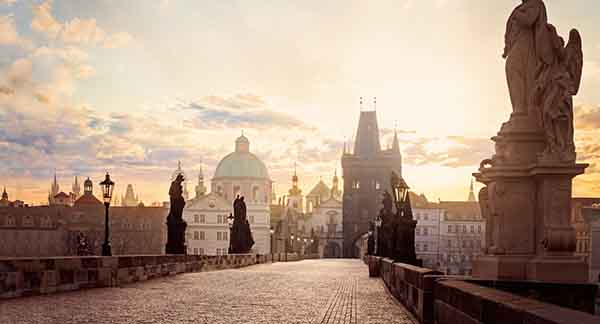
(255, 194)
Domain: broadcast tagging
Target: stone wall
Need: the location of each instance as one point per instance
(434, 298)
(35, 276)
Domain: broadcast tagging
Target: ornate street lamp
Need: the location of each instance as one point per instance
(107, 187)
(400, 189)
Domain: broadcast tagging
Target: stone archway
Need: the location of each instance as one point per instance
(332, 250)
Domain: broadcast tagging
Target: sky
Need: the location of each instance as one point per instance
(132, 87)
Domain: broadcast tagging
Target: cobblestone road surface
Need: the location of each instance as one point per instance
(310, 291)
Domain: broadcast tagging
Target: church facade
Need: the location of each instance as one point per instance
(366, 172)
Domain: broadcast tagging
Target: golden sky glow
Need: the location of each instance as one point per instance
(134, 86)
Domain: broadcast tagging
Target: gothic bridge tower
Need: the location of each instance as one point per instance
(366, 173)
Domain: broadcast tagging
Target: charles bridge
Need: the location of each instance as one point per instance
(261, 289)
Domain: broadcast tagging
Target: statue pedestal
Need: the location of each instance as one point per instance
(176, 236)
(527, 208)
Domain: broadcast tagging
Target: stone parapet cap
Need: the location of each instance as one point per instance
(481, 303)
(518, 171)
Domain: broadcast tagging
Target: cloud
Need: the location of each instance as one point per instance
(77, 31)
(43, 21)
(587, 117)
(8, 2)
(451, 151)
(8, 31)
(116, 40)
(241, 111)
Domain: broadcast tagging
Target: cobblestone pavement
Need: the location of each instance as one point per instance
(310, 291)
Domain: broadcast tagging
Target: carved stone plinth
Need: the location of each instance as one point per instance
(527, 207)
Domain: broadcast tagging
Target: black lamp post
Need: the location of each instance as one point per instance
(377, 222)
(230, 223)
(107, 189)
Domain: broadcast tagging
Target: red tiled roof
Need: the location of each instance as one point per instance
(87, 199)
(61, 195)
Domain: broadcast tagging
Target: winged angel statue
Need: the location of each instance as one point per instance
(543, 75)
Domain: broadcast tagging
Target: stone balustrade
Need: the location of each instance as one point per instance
(34, 276)
(434, 298)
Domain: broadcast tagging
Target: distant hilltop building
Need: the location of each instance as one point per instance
(60, 198)
(4, 202)
(366, 171)
(130, 199)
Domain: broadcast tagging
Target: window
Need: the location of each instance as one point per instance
(449, 243)
(449, 228)
(472, 228)
(464, 228)
(418, 231)
(464, 244)
(355, 184)
(218, 236)
(478, 228)
(425, 217)
(418, 246)
(425, 231)
(225, 236)
(201, 250)
(425, 247)
(202, 235)
(196, 235)
(195, 251)
(202, 219)
(255, 193)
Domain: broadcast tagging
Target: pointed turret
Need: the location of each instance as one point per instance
(395, 143)
(471, 193)
(4, 194)
(335, 186)
(76, 188)
(200, 187)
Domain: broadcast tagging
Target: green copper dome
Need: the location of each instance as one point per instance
(241, 163)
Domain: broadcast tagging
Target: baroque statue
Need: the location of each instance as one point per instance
(175, 224)
(240, 240)
(543, 75)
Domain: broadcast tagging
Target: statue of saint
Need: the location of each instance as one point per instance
(523, 50)
(558, 81)
(176, 197)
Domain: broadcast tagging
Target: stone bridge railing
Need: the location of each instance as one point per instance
(34, 276)
(434, 298)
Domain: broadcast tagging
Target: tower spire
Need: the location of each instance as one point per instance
(361, 104)
(395, 143)
(471, 192)
(375, 103)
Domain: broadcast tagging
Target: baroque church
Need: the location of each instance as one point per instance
(238, 173)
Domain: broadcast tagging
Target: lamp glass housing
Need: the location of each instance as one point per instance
(107, 187)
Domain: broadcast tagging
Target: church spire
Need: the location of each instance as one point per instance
(4, 194)
(471, 192)
(395, 143)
